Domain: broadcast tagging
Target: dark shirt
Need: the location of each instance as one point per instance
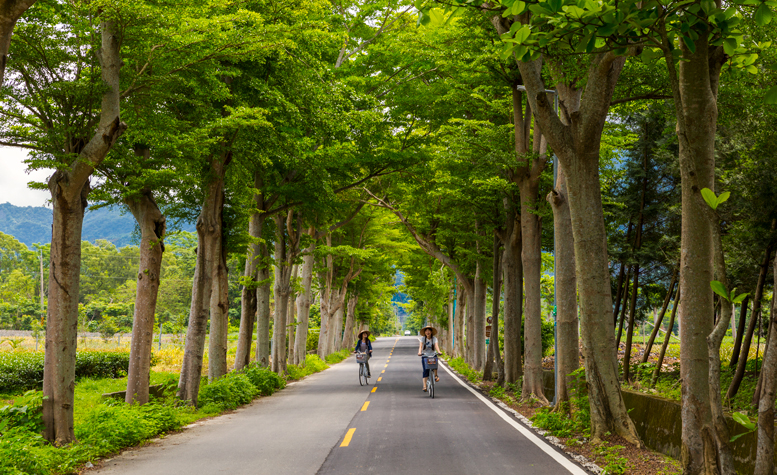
(359, 344)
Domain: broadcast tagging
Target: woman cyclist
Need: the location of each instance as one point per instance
(364, 346)
(428, 347)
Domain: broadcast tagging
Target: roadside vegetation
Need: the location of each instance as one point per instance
(579, 179)
(106, 425)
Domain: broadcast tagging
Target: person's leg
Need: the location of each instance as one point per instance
(367, 364)
(426, 371)
(436, 378)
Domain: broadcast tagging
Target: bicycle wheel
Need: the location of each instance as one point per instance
(431, 384)
(362, 375)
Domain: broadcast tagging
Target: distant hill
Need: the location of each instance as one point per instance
(32, 225)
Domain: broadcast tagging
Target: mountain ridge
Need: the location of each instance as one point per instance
(32, 224)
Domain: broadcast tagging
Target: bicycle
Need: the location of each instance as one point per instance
(364, 377)
(431, 364)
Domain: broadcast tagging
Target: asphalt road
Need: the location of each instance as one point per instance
(328, 424)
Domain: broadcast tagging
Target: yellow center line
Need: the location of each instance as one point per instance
(374, 389)
(364, 407)
(385, 366)
(383, 371)
(380, 378)
(348, 437)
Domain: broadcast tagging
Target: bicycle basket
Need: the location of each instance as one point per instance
(361, 357)
(431, 362)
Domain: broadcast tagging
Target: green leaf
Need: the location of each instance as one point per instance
(689, 43)
(518, 7)
(739, 298)
(555, 5)
(763, 15)
(719, 289)
(522, 34)
(723, 197)
(591, 44)
(730, 46)
(607, 30)
(771, 96)
(710, 198)
(743, 420)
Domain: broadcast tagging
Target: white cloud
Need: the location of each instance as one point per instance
(14, 179)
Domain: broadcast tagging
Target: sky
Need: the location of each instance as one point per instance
(14, 179)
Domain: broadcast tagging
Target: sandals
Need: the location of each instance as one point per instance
(436, 379)
(424, 389)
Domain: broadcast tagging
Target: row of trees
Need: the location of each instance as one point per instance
(321, 138)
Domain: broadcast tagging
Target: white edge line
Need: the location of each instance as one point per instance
(563, 461)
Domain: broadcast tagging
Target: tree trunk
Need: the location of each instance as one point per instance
(527, 177)
(327, 301)
(458, 321)
(478, 342)
(219, 314)
(338, 333)
(659, 319)
(665, 345)
(291, 321)
(281, 291)
(303, 305)
(469, 346)
(635, 290)
(513, 290)
(740, 333)
(10, 12)
(576, 140)
(152, 232)
(451, 310)
(69, 190)
(748, 338)
(349, 337)
(630, 331)
(724, 458)
(758, 389)
(764, 462)
(621, 282)
(209, 234)
(62, 317)
(263, 293)
(248, 295)
(695, 94)
(624, 309)
(493, 358)
(531, 235)
(567, 359)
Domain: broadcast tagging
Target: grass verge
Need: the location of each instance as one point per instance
(105, 426)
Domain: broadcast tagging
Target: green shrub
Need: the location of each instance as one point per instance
(557, 423)
(463, 368)
(105, 429)
(313, 364)
(24, 452)
(228, 392)
(338, 356)
(24, 413)
(264, 380)
(110, 428)
(23, 370)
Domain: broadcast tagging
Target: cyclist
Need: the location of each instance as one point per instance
(428, 347)
(364, 346)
